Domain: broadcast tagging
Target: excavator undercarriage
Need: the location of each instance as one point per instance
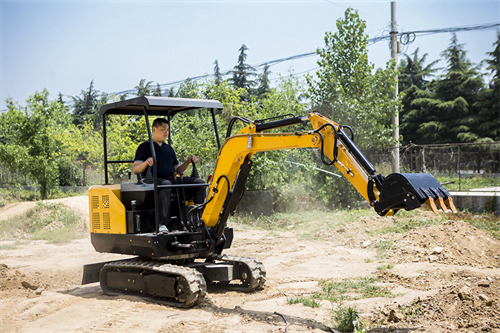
(174, 267)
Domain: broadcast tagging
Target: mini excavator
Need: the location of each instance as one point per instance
(174, 267)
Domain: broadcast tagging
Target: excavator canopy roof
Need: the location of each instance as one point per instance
(158, 106)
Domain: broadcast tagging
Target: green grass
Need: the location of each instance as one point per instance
(18, 193)
(405, 221)
(307, 223)
(385, 267)
(492, 228)
(468, 183)
(347, 319)
(306, 301)
(410, 312)
(338, 291)
(368, 260)
(382, 248)
(54, 222)
(13, 246)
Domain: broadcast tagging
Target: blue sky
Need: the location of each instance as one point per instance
(63, 45)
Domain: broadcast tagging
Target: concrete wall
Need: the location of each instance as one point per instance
(478, 201)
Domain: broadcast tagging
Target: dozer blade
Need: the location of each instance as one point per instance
(411, 190)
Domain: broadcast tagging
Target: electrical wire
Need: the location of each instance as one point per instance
(406, 38)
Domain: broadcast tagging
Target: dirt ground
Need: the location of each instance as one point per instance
(446, 278)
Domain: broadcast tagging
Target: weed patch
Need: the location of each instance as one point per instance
(382, 248)
(347, 319)
(306, 301)
(309, 224)
(54, 222)
(385, 267)
(337, 291)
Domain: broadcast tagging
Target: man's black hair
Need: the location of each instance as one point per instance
(159, 121)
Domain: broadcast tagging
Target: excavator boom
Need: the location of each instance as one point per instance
(386, 195)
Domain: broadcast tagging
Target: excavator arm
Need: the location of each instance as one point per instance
(385, 195)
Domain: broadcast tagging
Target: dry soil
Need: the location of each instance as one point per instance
(446, 278)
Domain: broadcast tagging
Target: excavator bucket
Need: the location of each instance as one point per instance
(411, 190)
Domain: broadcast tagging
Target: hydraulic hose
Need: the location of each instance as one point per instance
(335, 146)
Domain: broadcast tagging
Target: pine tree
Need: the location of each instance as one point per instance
(157, 91)
(413, 83)
(217, 74)
(264, 84)
(171, 92)
(413, 72)
(487, 105)
(446, 114)
(86, 106)
(242, 72)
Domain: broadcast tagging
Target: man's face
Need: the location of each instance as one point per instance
(160, 133)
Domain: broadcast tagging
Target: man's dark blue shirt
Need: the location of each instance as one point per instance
(165, 157)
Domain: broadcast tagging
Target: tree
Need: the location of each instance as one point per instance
(87, 106)
(217, 74)
(413, 74)
(487, 105)
(144, 88)
(157, 91)
(263, 82)
(34, 143)
(188, 89)
(444, 114)
(347, 91)
(243, 71)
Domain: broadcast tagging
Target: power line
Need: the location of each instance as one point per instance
(405, 37)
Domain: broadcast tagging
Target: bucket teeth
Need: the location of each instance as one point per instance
(430, 202)
(449, 202)
(442, 205)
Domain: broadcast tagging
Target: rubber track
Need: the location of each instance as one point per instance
(195, 280)
(256, 268)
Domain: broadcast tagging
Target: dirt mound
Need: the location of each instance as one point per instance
(451, 242)
(471, 302)
(15, 282)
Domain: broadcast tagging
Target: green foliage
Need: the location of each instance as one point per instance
(442, 111)
(217, 73)
(144, 88)
(413, 73)
(488, 101)
(347, 91)
(54, 222)
(34, 140)
(86, 107)
(308, 223)
(410, 312)
(347, 319)
(306, 301)
(263, 82)
(385, 267)
(17, 193)
(242, 72)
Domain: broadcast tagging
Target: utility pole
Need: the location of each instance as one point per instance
(394, 56)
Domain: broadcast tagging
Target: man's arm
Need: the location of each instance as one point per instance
(140, 166)
(181, 168)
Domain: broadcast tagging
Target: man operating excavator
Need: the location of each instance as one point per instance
(167, 168)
